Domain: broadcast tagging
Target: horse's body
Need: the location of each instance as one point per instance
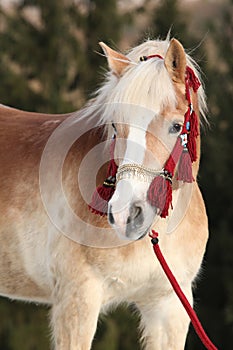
(39, 263)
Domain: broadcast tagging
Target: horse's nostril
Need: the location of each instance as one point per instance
(110, 216)
(135, 211)
(136, 216)
(138, 211)
(134, 220)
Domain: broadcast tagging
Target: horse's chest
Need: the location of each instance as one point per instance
(135, 281)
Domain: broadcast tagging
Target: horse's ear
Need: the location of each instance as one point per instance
(116, 61)
(175, 61)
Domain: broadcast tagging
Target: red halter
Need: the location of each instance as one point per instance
(184, 153)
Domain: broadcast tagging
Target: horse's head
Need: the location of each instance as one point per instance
(147, 105)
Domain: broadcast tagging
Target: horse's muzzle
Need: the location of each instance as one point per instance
(132, 222)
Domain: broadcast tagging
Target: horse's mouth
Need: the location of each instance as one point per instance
(143, 235)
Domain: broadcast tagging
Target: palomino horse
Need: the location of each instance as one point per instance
(56, 251)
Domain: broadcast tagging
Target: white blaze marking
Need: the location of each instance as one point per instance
(136, 144)
(136, 141)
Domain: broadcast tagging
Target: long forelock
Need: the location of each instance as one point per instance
(145, 84)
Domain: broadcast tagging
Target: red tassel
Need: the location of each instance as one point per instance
(185, 168)
(103, 193)
(112, 170)
(159, 194)
(192, 136)
(192, 82)
(101, 197)
(192, 79)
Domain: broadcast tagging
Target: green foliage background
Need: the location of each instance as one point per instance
(50, 65)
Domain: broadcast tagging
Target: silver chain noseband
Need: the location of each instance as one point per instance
(127, 171)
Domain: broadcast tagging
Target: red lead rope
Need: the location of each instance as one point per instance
(193, 317)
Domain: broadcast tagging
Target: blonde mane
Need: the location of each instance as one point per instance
(146, 84)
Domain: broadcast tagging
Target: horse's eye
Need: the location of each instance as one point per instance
(175, 128)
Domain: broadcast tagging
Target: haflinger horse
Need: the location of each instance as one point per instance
(59, 252)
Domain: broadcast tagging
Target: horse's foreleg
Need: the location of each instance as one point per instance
(165, 324)
(75, 314)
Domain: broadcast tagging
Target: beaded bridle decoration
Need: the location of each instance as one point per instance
(183, 155)
(132, 170)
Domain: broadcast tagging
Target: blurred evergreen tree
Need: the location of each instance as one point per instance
(37, 59)
(118, 331)
(168, 16)
(23, 327)
(216, 290)
(100, 22)
(50, 64)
